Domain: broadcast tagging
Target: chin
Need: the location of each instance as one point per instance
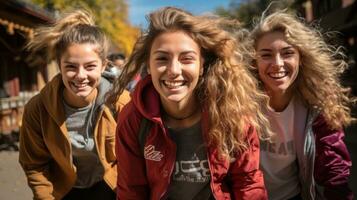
(177, 98)
(174, 98)
(83, 95)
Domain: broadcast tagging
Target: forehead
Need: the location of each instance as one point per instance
(273, 40)
(173, 42)
(83, 52)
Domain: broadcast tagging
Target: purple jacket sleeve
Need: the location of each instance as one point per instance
(332, 161)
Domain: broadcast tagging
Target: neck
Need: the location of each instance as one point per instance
(181, 115)
(189, 115)
(79, 102)
(280, 100)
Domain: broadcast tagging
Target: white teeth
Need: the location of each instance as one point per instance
(79, 85)
(173, 84)
(278, 74)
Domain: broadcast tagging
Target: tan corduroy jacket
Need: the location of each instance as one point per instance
(45, 149)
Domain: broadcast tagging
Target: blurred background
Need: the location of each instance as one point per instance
(22, 74)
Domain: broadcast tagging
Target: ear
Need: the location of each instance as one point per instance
(148, 69)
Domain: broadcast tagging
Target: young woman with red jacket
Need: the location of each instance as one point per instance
(203, 108)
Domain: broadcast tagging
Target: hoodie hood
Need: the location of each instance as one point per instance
(52, 98)
(146, 99)
(111, 74)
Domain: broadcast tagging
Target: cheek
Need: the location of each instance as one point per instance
(96, 75)
(261, 69)
(294, 65)
(67, 75)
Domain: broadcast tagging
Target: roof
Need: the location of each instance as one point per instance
(24, 13)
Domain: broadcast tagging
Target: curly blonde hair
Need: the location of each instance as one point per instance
(320, 67)
(76, 27)
(227, 88)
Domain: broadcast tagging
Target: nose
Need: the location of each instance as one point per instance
(81, 73)
(174, 69)
(278, 60)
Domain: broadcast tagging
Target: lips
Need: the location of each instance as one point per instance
(278, 75)
(80, 86)
(174, 84)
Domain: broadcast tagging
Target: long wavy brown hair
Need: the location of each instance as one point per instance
(227, 88)
(75, 27)
(320, 68)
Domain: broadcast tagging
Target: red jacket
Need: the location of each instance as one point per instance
(141, 178)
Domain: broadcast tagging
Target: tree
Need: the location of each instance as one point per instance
(110, 15)
(246, 11)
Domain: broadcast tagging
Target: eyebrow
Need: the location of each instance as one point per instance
(89, 62)
(165, 52)
(285, 48)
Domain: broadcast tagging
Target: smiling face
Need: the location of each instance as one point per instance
(81, 69)
(277, 62)
(175, 65)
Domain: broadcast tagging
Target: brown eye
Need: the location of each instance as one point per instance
(91, 67)
(265, 56)
(288, 54)
(161, 58)
(188, 59)
(70, 66)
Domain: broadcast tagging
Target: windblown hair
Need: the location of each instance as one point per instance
(76, 27)
(320, 66)
(226, 87)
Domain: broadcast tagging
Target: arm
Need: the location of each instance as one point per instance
(247, 179)
(34, 157)
(132, 182)
(332, 161)
(124, 98)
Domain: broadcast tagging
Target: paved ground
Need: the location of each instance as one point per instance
(13, 184)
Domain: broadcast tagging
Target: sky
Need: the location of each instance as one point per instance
(138, 9)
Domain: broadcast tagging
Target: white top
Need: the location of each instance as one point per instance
(278, 159)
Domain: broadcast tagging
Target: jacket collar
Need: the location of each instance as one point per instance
(147, 100)
(51, 96)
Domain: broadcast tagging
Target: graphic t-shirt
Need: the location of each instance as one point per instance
(278, 159)
(191, 176)
(84, 153)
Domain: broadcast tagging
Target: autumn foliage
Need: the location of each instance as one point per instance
(111, 16)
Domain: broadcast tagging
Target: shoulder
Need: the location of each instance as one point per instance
(252, 137)
(128, 123)
(320, 126)
(324, 134)
(34, 105)
(33, 111)
(129, 113)
(123, 99)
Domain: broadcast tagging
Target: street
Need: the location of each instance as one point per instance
(13, 184)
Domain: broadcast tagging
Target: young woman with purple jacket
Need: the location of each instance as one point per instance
(306, 157)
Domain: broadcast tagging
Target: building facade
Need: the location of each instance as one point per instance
(21, 75)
